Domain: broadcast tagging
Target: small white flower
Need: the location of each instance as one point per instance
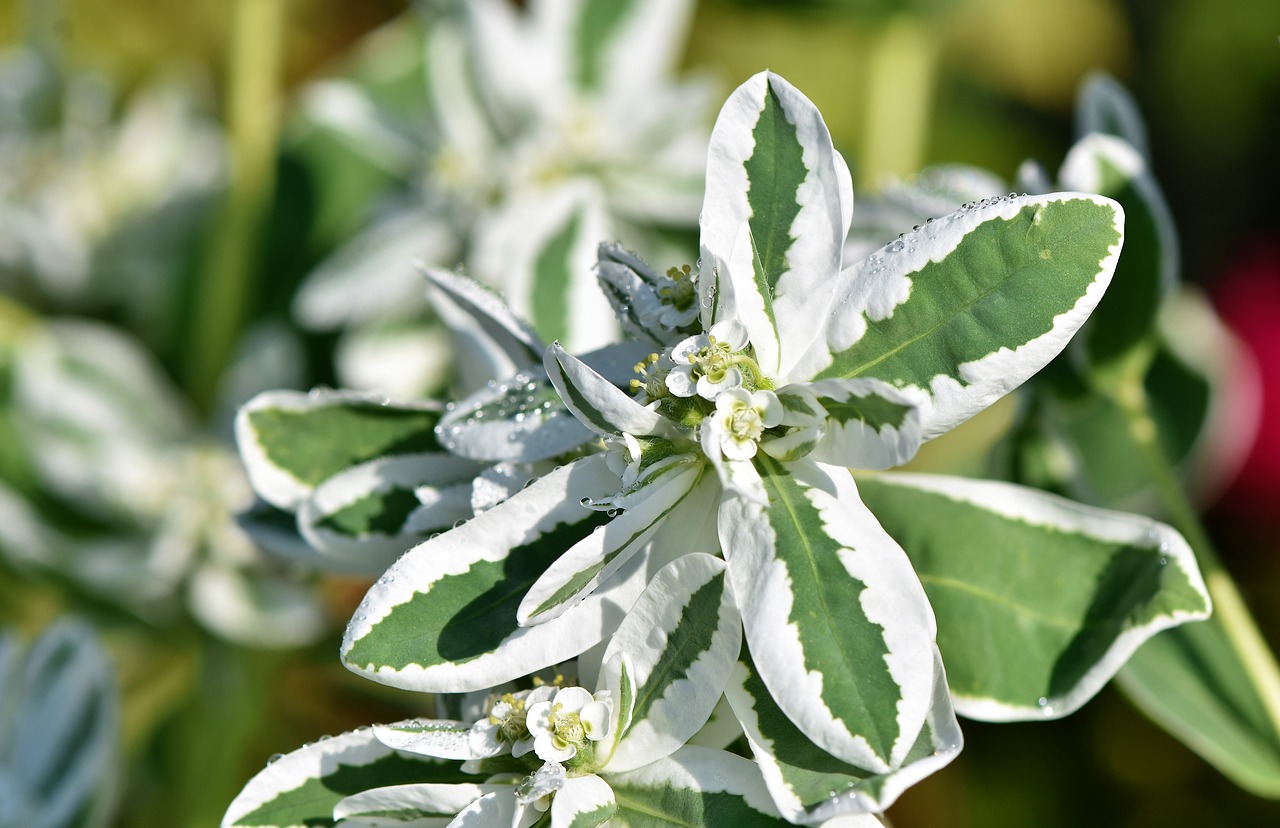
(740, 419)
(706, 364)
(505, 727)
(623, 458)
(562, 725)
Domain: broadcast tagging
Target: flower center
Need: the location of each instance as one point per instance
(652, 381)
(509, 715)
(682, 291)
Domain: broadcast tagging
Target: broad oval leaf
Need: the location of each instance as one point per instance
(292, 441)
(1039, 600)
(835, 618)
(971, 305)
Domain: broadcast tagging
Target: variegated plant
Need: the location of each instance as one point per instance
(775, 367)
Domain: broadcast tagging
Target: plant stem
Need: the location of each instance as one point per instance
(1228, 605)
(253, 81)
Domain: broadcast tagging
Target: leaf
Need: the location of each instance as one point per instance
(1104, 106)
(302, 787)
(681, 640)
(1192, 682)
(597, 402)
(971, 305)
(421, 804)
(439, 738)
(362, 519)
(775, 214)
(694, 786)
(623, 48)
(1148, 269)
(1039, 600)
(443, 617)
(811, 786)
(583, 802)
(869, 425)
(835, 618)
(292, 441)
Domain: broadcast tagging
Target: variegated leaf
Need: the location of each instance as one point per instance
(443, 617)
(1149, 268)
(1104, 106)
(775, 215)
(420, 805)
(621, 48)
(971, 305)
(597, 402)
(869, 425)
(292, 441)
(696, 787)
(809, 785)
(594, 559)
(1040, 600)
(583, 802)
(439, 738)
(362, 519)
(838, 624)
(681, 640)
(300, 789)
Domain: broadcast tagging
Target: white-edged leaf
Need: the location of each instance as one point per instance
(443, 617)
(681, 640)
(440, 738)
(695, 786)
(835, 618)
(361, 519)
(1040, 600)
(583, 802)
(487, 327)
(292, 441)
(597, 402)
(1104, 106)
(809, 785)
(869, 424)
(409, 806)
(971, 305)
(300, 789)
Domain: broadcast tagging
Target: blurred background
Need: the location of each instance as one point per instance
(166, 188)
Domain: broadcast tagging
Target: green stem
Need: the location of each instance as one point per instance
(252, 115)
(1228, 605)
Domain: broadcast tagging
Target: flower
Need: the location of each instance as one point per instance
(563, 725)
(740, 420)
(708, 363)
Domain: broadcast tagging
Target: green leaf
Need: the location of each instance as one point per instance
(971, 305)
(301, 788)
(834, 616)
(415, 804)
(808, 784)
(597, 402)
(600, 23)
(869, 425)
(1039, 600)
(1192, 682)
(443, 617)
(292, 441)
(1104, 106)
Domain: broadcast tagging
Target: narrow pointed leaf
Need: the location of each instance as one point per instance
(439, 738)
(292, 441)
(592, 560)
(835, 618)
(869, 425)
(300, 789)
(597, 402)
(1039, 600)
(681, 640)
(971, 305)
(811, 786)
(443, 617)
(362, 519)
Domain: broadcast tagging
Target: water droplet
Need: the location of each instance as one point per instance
(1042, 701)
(1164, 561)
(612, 513)
(275, 757)
(586, 501)
(459, 522)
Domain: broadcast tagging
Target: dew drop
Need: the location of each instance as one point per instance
(275, 757)
(1042, 701)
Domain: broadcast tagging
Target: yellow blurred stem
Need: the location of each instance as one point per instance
(1228, 604)
(900, 91)
(252, 114)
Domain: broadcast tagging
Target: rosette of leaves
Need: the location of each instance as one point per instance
(59, 730)
(734, 441)
(548, 128)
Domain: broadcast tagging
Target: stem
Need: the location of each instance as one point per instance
(1228, 605)
(253, 123)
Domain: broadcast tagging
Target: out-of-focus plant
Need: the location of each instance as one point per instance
(59, 730)
(548, 128)
(774, 365)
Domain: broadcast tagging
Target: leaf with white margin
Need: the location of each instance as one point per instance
(624, 48)
(1149, 268)
(494, 808)
(523, 419)
(301, 788)
(807, 783)
(695, 786)
(443, 617)
(59, 727)
(583, 802)
(1040, 600)
(441, 738)
(869, 425)
(292, 441)
(597, 402)
(594, 559)
(363, 518)
(838, 623)
(776, 213)
(488, 327)
(410, 805)
(1104, 106)
(681, 640)
(971, 305)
